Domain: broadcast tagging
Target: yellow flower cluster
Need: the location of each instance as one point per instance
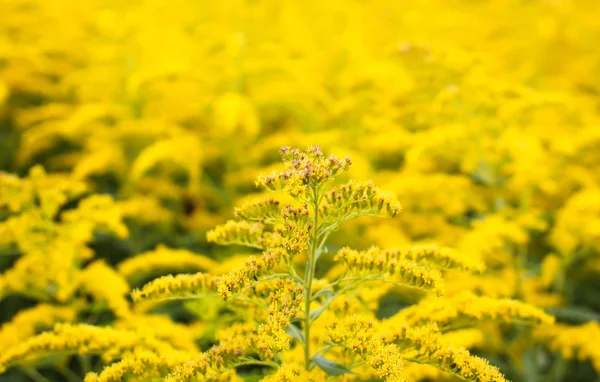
(284, 305)
(388, 266)
(83, 339)
(466, 310)
(28, 322)
(178, 335)
(573, 342)
(292, 233)
(143, 365)
(238, 341)
(289, 373)
(424, 344)
(238, 233)
(234, 281)
(360, 337)
(578, 223)
(268, 210)
(353, 200)
(51, 242)
(174, 287)
(440, 257)
(104, 284)
(303, 170)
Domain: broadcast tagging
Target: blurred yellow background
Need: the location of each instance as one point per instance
(483, 117)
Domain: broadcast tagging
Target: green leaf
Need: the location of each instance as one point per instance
(296, 334)
(307, 269)
(574, 314)
(323, 292)
(317, 312)
(331, 367)
(530, 366)
(318, 255)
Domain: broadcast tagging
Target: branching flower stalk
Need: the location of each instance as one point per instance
(312, 171)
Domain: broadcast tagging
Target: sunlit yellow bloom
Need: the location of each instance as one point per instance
(28, 322)
(174, 287)
(99, 210)
(289, 373)
(425, 345)
(238, 233)
(234, 113)
(145, 209)
(578, 223)
(361, 337)
(83, 339)
(573, 342)
(234, 281)
(390, 266)
(466, 310)
(184, 150)
(141, 364)
(104, 284)
(180, 336)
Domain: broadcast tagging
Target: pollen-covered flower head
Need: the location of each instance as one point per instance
(303, 169)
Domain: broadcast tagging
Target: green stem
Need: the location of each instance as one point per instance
(520, 266)
(309, 278)
(85, 362)
(70, 375)
(243, 363)
(34, 374)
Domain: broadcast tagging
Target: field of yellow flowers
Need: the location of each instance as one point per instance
(267, 190)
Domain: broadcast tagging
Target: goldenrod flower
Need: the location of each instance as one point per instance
(440, 257)
(234, 281)
(180, 336)
(303, 169)
(466, 310)
(99, 210)
(28, 322)
(354, 200)
(184, 149)
(141, 364)
(106, 285)
(424, 344)
(81, 339)
(388, 266)
(573, 342)
(284, 305)
(263, 211)
(238, 233)
(289, 373)
(176, 287)
(360, 336)
(578, 223)
(146, 209)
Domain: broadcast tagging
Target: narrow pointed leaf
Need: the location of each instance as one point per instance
(331, 367)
